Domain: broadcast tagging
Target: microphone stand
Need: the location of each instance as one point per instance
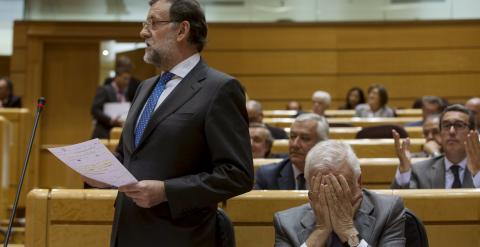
(40, 106)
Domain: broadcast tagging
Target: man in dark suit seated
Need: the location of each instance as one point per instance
(255, 115)
(473, 105)
(7, 98)
(458, 168)
(307, 130)
(340, 212)
(433, 140)
(431, 105)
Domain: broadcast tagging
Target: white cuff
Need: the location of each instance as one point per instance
(476, 180)
(363, 243)
(403, 179)
(304, 245)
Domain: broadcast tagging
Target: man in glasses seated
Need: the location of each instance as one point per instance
(459, 166)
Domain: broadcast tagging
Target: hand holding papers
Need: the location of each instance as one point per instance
(93, 160)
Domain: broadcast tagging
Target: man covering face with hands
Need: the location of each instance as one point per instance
(340, 212)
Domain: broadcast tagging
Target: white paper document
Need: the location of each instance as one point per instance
(93, 160)
(117, 110)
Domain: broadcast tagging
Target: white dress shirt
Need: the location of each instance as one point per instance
(404, 178)
(180, 70)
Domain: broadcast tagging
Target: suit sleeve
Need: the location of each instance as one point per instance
(97, 107)
(281, 239)
(394, 231)
(260, 180)
(226, 133)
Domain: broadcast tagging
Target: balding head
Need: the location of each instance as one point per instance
(255, 111)
(473, 105)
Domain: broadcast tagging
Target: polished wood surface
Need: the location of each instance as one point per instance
(377, 173)
(355, 121)
(364, 148)
(338, 113)
(84, 217)
(21, 121)
(4, 164)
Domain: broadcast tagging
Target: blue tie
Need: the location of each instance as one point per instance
(150, 106)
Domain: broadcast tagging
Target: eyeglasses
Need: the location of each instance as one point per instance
(152, 24)
(458, 125)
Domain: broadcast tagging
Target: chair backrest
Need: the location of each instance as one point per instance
(225, 234)
(381, 132)
(415, 232)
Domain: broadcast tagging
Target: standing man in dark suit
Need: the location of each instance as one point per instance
(116, 91)
(7, 98)
(185, 138)
(307, 130)
(458, 168)
(340, 212)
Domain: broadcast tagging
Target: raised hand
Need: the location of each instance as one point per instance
(402, 149)
(472, 146)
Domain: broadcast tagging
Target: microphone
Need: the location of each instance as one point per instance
(40, 105)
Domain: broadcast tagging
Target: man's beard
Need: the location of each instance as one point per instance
(160, 57)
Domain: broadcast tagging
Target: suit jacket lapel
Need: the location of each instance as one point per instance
(363, 221)
(285, 181)
(308, 224)
(181, 94)
(438, 174)
(137, 106)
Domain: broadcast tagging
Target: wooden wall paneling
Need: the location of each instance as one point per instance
(5, 66)
(52, 173)
(70, 82)
(141, 69)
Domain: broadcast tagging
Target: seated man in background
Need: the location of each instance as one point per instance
(433, 140)
(321, 101)
(116, 91)
(261, 140)
(458, 168)
(340, 212)
(307, 130)
(431, 105)
(7, 98)
(124, 64)
(255, 115)
(473, 105)
(294, 106)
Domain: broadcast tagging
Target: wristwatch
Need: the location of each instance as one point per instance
(353, 240)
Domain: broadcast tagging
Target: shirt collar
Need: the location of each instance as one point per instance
(183, 68)
(448, 164)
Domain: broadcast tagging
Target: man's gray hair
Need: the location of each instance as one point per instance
(322, 95)
(332, 154)
(253, 104)
(322, 124)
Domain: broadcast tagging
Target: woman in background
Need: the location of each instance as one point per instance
(354, 97)
(376, 105)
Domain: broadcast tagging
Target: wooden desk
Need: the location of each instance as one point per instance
(5, 140)
(364, 148)
(21, 121)
(84, 217)
(351, 132)
(377, 173)
(356, 122)
(338, 113)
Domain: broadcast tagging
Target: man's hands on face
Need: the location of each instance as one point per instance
(342, 205)
(402, 149)
(318, 202)
(146, 193)
(472, 146)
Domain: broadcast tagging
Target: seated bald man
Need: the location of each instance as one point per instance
(340, 212)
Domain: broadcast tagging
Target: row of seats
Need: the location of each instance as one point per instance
(334, 133)
(84, 217)
(338, 113)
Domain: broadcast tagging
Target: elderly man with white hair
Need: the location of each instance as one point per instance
(306, 131)
(321, 101)
(340, 212)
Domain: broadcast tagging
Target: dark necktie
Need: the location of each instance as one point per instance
(334, 241)
(150, 105)
(456, 177)
(300, 182)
